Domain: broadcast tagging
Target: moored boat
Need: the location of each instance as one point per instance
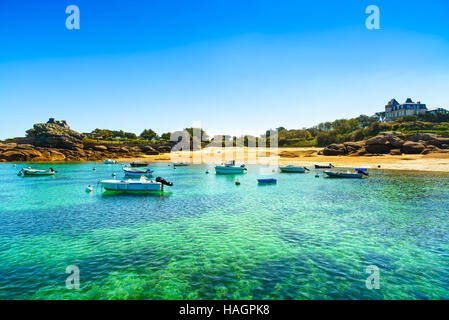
(132, 172)
(293, 169)
(347, 175)
(180, 164)
(36, 172)
(317, 166)
(266, 181)
(138, 164)
(135, 185)
(230, 168)
(109, 161)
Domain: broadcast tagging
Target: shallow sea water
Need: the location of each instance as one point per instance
(206, 238)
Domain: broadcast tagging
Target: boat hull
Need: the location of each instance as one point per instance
(229, 170)
(139, 164)
(344, 175)
(131, 186)
(292, 169)
(135, 173)
(180, 164)
(322, 167)
(30, 173)
(266, 181)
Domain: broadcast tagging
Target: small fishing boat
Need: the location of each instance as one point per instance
(138, 164)
(230, 168)
(266, 181)
(109, 161)
(293, 169)
(324, 167)
(347, 175)
(36, 172)
(180, 164)
(135, 185)
(131, 172)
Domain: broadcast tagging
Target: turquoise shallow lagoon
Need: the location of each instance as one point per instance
(303, 238)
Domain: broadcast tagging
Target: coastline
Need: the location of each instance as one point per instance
(433, 162)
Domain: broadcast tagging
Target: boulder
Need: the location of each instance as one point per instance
(431, 149)
(353, 147)
(416, 137)
(361, 152)
(7, 146)
(411, 147)
(395, 152)
(395, 141)
(100, 148)
(134, 149)
(114, 148)
(13, 155)
(378, 148)
(24, 147)
(163, 149)
(377, 140)
(148, 150)
(335, 150)
(439, 142)
(55, 155)
(21, 155)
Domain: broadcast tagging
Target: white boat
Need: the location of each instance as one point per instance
(109, 161)
(135, 185)
(133, 172)
(293, 169)
(230, 168)
(36, 172)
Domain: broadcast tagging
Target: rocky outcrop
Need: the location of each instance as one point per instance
(148, 150)
(393, 143)
(55, 141)
(411, 147)
(378, 148)
(354, 147)
(395, 152)
(335, 150)
(100, 148)
(52, 135)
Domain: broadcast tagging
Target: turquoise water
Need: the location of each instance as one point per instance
(303, 238)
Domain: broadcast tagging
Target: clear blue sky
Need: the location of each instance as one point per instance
(231, 64)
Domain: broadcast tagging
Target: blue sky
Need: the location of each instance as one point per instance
(233, 65)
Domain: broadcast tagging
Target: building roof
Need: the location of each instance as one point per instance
(393, 102)
(409, 100)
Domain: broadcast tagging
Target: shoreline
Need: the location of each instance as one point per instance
(433, 162)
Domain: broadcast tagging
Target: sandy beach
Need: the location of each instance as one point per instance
(436, 162)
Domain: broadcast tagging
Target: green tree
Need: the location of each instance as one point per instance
(325, 138)
(166, 136)
(149, 134)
